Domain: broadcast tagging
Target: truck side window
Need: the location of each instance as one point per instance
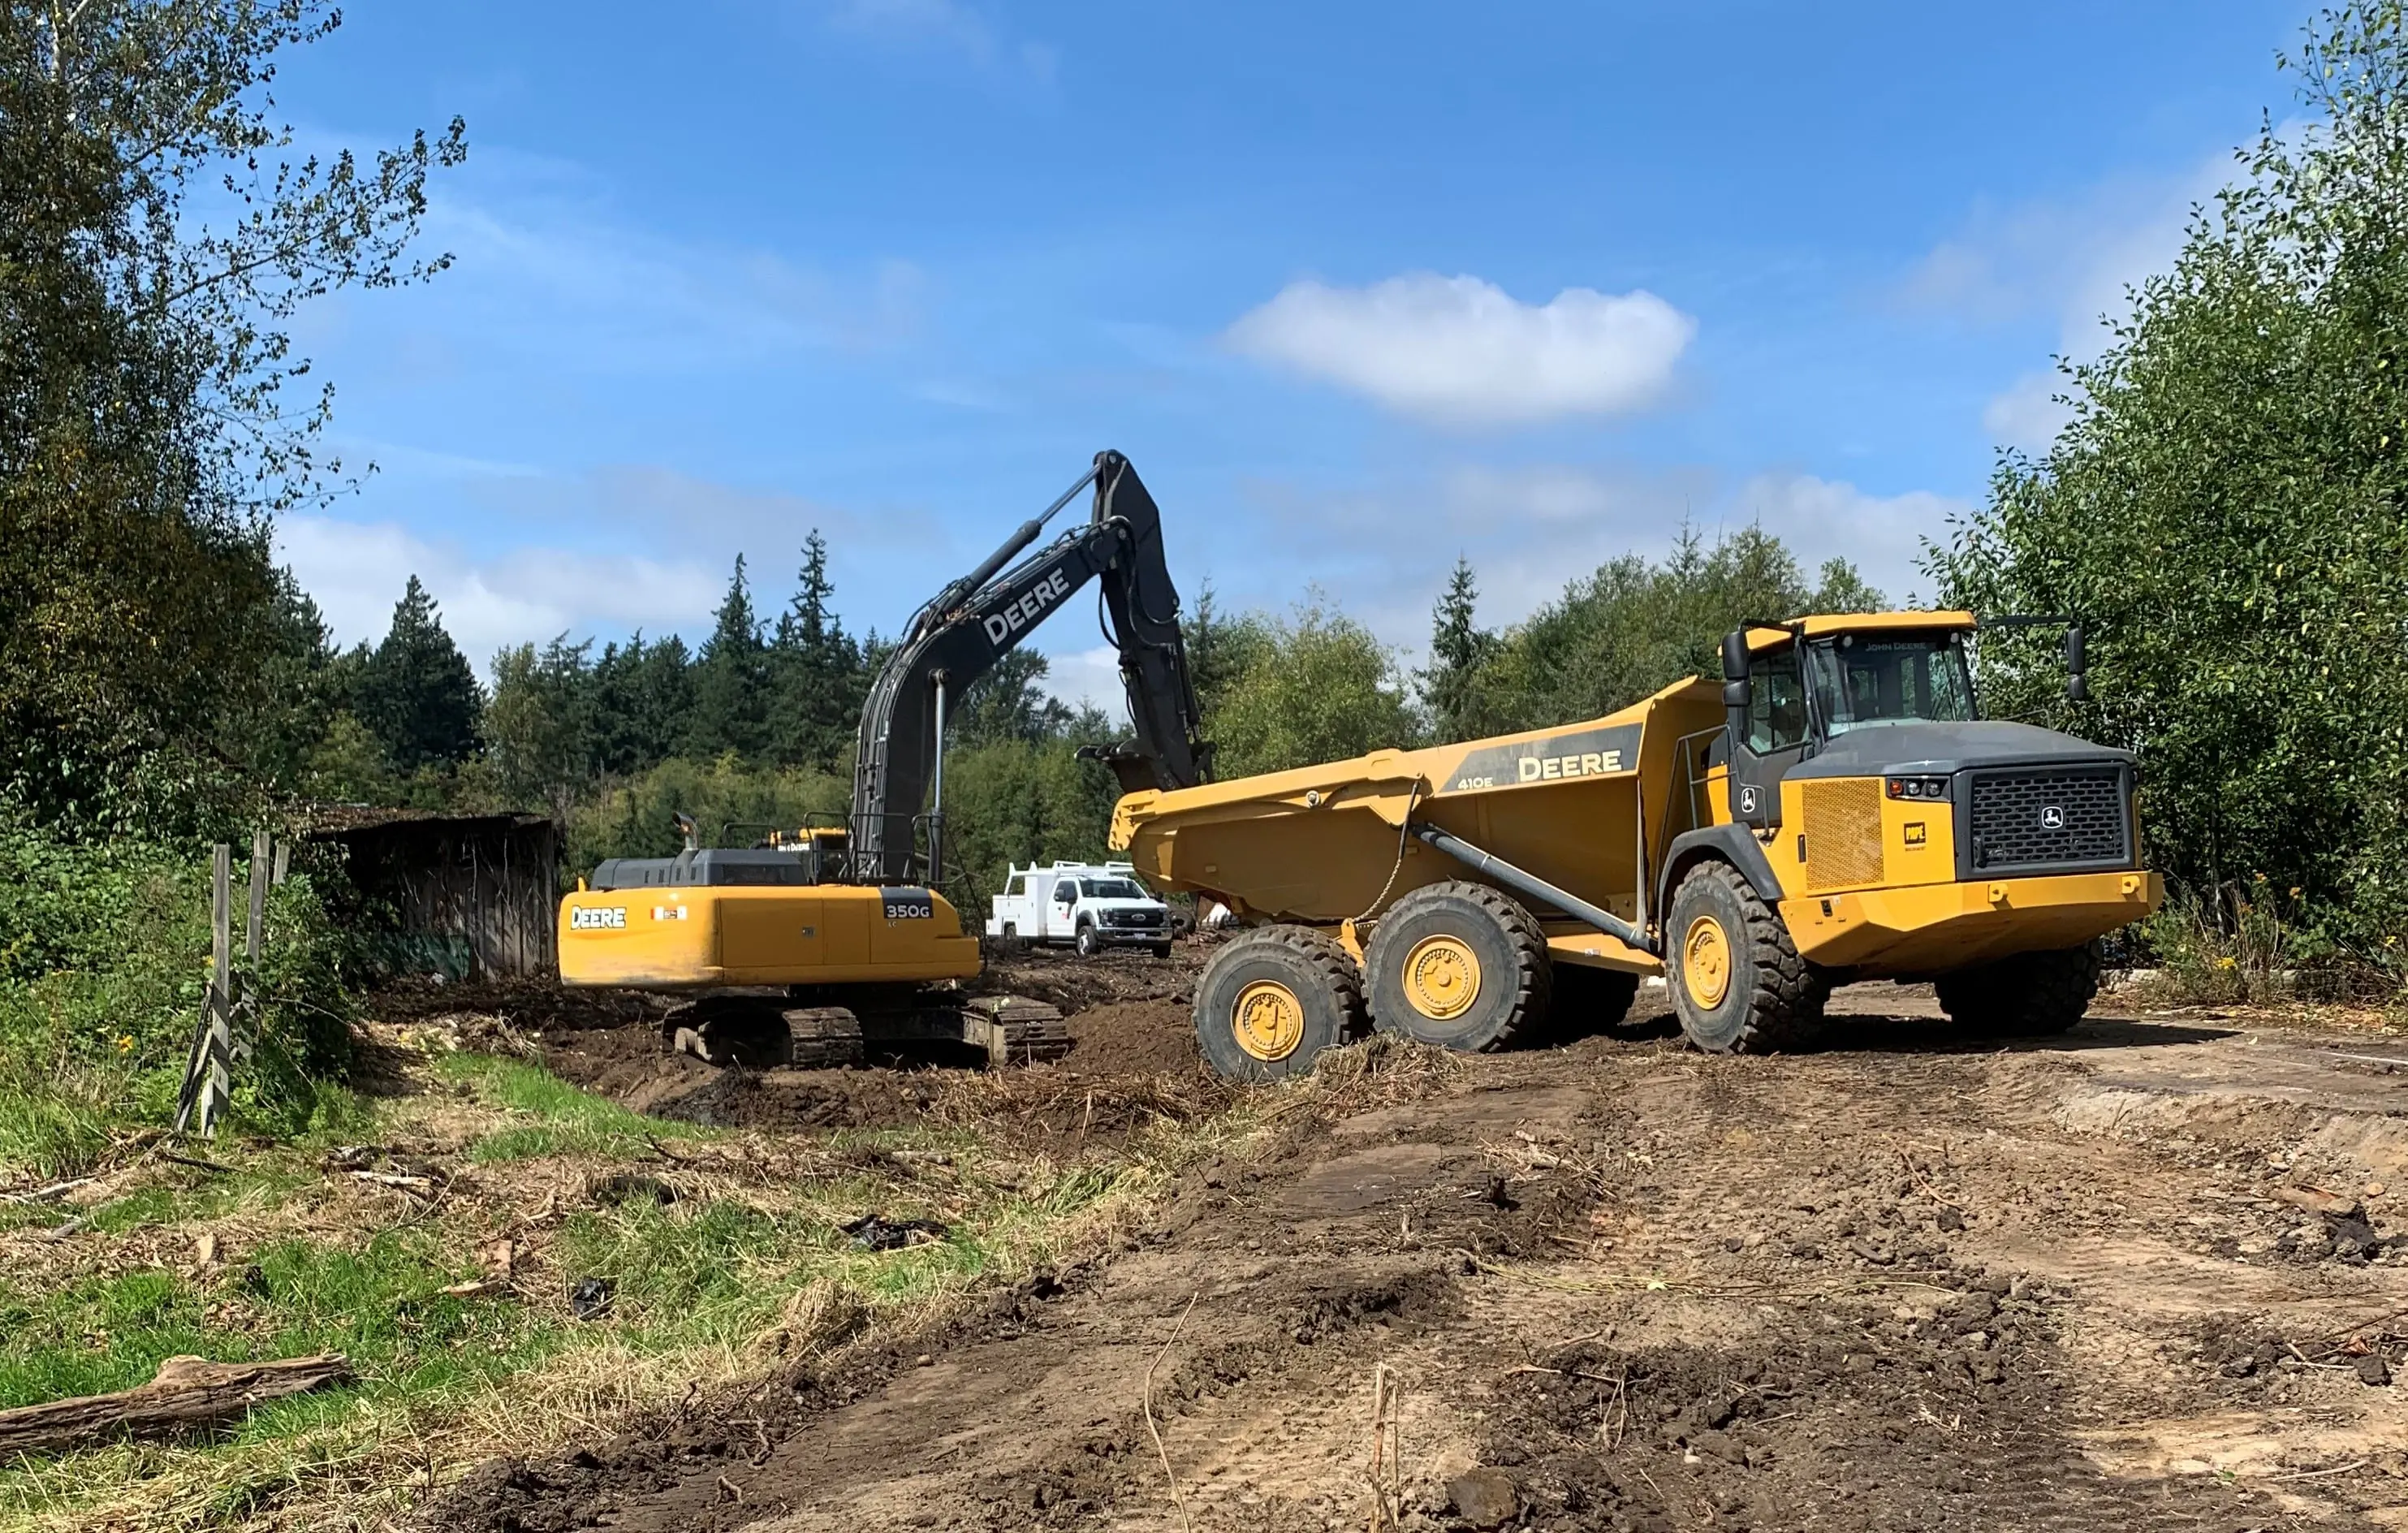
(1776, 718)
(1065, 892)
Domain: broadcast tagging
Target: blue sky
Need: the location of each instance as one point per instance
(1359, 288)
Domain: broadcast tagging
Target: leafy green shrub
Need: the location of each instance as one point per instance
(104, 962)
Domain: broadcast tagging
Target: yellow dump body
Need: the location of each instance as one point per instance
(1588, 806)
(699, 938)
(1867, 883)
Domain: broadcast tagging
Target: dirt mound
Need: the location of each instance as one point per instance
(1076, 984)
(526, 1004)
(1134, 1038)
(1133, 1059)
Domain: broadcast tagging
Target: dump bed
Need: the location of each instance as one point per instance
(1588, 806)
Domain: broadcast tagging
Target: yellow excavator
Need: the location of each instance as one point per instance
(1836, 811)
(830, 939)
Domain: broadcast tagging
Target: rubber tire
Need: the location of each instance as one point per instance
(1012, 942)
(1161, 950)
(2030, 995)
(1588, 1000)
(1516, 977)
(1774, 996)
(1310, 964)
(1086, 942)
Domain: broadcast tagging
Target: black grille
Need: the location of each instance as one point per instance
(1132, 918)
(2039, 818)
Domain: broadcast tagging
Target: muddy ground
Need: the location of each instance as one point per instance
(2150, 1275)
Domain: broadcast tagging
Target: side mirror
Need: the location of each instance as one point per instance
(2077, 666)
(1734, 657)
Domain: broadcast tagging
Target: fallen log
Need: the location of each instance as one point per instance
(187, 1392)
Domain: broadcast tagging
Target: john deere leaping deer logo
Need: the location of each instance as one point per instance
(2052, 817)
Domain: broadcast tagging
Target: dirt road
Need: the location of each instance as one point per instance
(2141, 1277)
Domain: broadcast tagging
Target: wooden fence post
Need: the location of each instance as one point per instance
(209, 1069)
(259, 847)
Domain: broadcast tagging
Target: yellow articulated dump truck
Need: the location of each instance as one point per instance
(1835, 811)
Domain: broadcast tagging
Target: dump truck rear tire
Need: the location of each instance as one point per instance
(1738, 983)
(2031, 994)
(1459, 965)
(1271, 1001)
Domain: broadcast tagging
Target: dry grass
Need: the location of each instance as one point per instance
(738, 1274)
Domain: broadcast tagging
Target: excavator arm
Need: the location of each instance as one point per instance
(979, 619)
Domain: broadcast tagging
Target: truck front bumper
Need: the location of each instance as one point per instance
(1935, 928)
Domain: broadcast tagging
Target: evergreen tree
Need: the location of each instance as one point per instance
(1010, 703)
(416, 693)
(538, 728)
(815, 668)
(146, 438)
(1460, 650)
(731, 680)
(1218, 652)
(643, 696)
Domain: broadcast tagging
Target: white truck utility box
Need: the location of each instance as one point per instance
(1088, 906)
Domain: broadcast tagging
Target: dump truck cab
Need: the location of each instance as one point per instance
(1903, 835)
(1836, 809)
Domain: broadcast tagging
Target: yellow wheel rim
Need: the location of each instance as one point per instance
(1268, 1021)
(1706, 962)
(1442, 978)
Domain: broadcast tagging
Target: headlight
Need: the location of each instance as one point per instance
(1918, 787)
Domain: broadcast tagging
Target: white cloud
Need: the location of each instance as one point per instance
(1089, 678)
(951, 26)
(356, 572)
(1528, 530)
(2027, 414)
(2072, 261)
(546, 264)
(1823, 519)
(1462, 351)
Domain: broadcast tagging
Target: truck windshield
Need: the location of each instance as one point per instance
(1867, 679)
(1114, 889)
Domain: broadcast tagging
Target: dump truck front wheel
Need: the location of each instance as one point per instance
(2030, 995)
(1459, 965)
(1271, 1000)
(1737, 980)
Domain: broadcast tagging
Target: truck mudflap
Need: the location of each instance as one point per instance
(1934, 928)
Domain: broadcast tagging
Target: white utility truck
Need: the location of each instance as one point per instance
(1089, 905)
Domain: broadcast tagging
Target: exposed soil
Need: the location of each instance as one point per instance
(2147, 1275)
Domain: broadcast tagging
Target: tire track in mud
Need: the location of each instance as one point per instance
(1892, 1284)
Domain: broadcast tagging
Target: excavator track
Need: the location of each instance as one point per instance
(754, 1032)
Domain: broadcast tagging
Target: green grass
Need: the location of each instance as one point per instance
(563, 1120)
(49, 1132)
(381, 1304)
(696, 1282)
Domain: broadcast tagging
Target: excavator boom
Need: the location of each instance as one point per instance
(979, 619)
